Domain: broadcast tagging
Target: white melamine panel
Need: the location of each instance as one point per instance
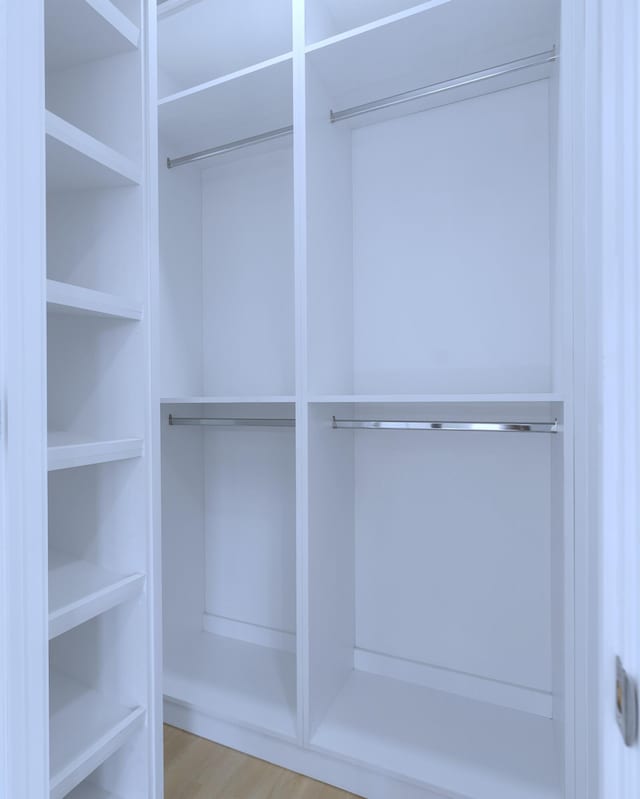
(69, 450)
(94, 240)
(209, 38)
(248, 276)
(254, 686)
(464, 222)
(180, 281)
(84, 30)
(79, 591)
(455, 745)
(65, 298)
(103, 99)
(88, 791)
(238, 106)
(76, 160)
(250, 526)
(439, 42)
(85, 728)
(452, 536)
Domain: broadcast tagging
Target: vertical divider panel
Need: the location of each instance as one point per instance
(301, 365)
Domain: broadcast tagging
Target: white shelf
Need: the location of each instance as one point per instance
(259, 399)
(228, 108)
(88, 791)
(79, 591)
(438, 399)
(251, 685)
(76, 160)
(66, 450)
(69, 299)
(429, 43)
(78, 31)
(448, 743)
(85, 729)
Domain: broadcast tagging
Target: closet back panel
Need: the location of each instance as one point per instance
(247, 226)
(452, 537)
(249, 478)
(451, 248)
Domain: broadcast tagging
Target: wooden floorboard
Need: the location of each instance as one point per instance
(198, 769)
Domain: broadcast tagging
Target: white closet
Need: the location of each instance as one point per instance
(389, 610)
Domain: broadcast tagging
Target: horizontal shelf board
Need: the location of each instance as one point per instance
(275, 399)
(228, 109)
(440, 399)
(232, 680)
(67, 450)
(79, 591)
(444, 742)
(69, 299)
(78, 31)
(250, 633)
(428, 44)
(75, 160)
(85, 729)
(88, 791)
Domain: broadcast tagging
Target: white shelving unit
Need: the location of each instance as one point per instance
(386, 610)
(103, 726)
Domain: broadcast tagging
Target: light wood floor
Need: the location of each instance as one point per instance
(198, 769)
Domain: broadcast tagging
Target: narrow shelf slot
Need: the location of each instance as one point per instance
(85, 729)
(66, 450)
(76, 160)
(69, 299)
(79, 591)
(78, 31)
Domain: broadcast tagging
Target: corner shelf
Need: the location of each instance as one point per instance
(85, 729)
(66, 450)
(78, 31)
(79, 591)
(75, 160)
(69, 299)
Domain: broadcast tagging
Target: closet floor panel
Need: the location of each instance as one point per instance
(233, 680)
(447, 742)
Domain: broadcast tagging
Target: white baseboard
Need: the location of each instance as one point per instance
(250, 633)
(455, 682)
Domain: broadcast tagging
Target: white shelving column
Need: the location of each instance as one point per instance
(103, 726)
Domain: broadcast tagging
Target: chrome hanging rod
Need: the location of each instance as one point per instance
(538, 59)
(218, 422)
(229, 148)
(485, 427)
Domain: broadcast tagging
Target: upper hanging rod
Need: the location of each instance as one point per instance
(454, 83)
(228, 148)
(485, 427)
(218, 422)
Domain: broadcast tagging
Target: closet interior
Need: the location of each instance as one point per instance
(365, 384)
(99, 526)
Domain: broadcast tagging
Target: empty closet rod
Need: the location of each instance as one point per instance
(538, 59)
(230, 147)
(218, 422)
(486, 427)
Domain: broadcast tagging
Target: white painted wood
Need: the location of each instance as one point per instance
(228, 109)
(249, 633)
(84, 30)
(250, 685)
(453, 744)
(220, 40)
(85, 729)
(79, 591)
(88, 791)
(502, 694)
(76, 160)
(66, 298)
(66, 450)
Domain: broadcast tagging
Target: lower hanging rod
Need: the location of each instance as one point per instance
(218, 422)
(230, 147)
(482, 427)
(538, 59)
